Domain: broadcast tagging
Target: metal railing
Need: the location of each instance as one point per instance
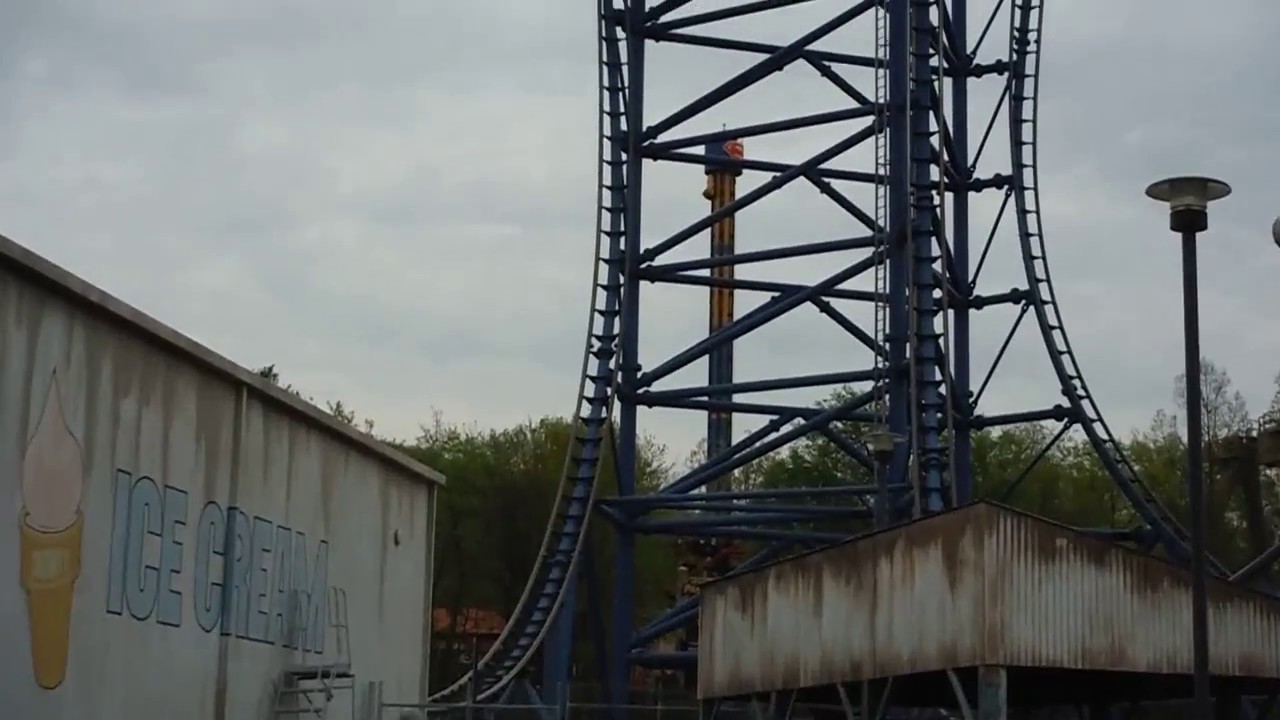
(587, 704)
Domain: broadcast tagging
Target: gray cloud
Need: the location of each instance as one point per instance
(394, 202)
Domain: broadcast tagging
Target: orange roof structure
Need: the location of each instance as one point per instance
(468, 621)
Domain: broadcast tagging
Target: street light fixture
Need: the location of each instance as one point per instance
(1275, 231)
(1188, 199)
(882, 442)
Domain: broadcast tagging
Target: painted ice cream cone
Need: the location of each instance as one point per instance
(52, 482)
(50, 566)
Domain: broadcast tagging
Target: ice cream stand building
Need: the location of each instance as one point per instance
(180, 537)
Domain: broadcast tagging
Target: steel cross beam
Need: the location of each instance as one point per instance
(905, 220)
(914, 389)
(908, 215)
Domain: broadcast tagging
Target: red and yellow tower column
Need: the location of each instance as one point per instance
(721, 190)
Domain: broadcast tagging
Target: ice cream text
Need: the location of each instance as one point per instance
(251, 578)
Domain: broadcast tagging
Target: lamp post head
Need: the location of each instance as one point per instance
(1188, 198)
(880, 441)
(1188, 191)
(1275, 231)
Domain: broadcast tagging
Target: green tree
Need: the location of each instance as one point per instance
(492, 518)
(492, 515)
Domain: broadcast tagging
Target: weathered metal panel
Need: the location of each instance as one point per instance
(981, 585)
(890, 604)
(1060, 600)
(166, 507)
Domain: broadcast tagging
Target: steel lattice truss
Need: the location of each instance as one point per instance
(927, 152)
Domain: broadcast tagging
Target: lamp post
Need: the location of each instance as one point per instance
(1188, 199)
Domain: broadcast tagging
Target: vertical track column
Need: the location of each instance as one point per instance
(898, 256)
(629, 362)
(557, 648)
(962, 439)
(721, 190)
(926, 378)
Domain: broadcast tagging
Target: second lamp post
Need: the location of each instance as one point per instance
(1188, 199)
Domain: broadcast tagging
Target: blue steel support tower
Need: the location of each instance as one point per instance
(906, 169)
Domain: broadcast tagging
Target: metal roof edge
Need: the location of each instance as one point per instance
(47, 273)
(849, 541)
(1073, 533)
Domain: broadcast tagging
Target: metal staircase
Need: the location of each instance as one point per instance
(306, 690)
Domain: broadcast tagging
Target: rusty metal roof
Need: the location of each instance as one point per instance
(984, 584)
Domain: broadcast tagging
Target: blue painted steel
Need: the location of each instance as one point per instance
(1024, 91)
(925, 405)
(628, 144)
(550, 587)
(921, 239)
(960, 392)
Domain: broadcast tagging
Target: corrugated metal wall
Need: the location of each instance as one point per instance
(1059, 602)
(164, 506)
(982, 585)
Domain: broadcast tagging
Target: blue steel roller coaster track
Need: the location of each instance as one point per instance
(610, 371)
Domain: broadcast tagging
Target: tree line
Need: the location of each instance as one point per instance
(501, 484)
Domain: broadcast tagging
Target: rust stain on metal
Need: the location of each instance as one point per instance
(980, 585)
(168, 426)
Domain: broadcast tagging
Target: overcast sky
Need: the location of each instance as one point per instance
(393, 201)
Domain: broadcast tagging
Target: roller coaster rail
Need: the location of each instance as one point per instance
(920, 382)
(1023, 95)
(549, 583)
